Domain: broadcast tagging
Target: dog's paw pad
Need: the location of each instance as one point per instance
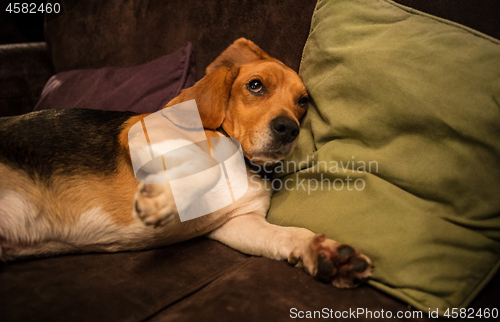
(326, 269)
(340, 264)
(345, 252)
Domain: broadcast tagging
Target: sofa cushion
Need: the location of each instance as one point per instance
(142, 89)
(261, 289)
(400, 148)
(127, 286)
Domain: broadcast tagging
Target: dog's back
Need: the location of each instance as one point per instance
(54, 142)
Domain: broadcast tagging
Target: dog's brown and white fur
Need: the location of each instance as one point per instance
(77, 208)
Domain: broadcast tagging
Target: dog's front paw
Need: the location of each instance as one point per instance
(154, 204)
(333, 262)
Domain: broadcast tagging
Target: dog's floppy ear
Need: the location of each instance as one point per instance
(212, 96)
(241, 52)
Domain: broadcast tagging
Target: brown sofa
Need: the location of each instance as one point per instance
(199, 279)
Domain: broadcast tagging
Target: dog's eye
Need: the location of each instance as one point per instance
(255, 87)
(303, 101)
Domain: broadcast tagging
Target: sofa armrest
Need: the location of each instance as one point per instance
(24, 70)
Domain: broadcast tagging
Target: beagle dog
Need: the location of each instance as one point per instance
(67, 183)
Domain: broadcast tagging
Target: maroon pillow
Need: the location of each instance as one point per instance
(142, 89)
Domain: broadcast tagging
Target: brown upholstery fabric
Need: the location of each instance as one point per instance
(198, 280)
(265, 290)
(85, 37)
(110, 287)
(125, 33)
(24, 70)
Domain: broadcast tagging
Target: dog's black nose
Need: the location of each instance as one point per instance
(284, 129)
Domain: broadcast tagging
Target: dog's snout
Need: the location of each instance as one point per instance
(284, 129)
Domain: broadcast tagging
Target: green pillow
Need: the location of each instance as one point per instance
(399, 153)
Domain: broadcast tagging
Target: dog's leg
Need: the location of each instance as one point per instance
(326, 259)
(15, 252)
(154, 204)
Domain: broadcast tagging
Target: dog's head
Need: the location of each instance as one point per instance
(254, 98)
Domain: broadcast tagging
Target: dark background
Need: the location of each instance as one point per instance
(20, 27)
(482, 15)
